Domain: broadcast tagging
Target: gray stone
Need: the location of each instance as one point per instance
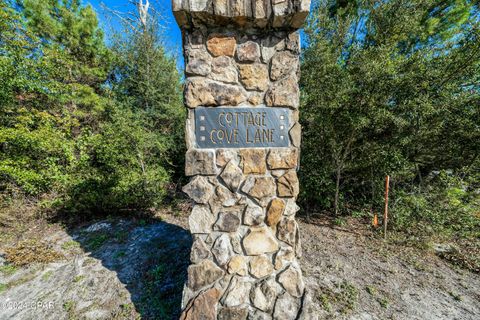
(233, 313)
(199, 251)
(259, 241)
(291, 208)
(283, 63)
(286, 307)
(253, 215)
(199, 189)
(223, 69)
(263, 295)
(270, 45)
(248, 52)
(226, 155)
(284, 93)
(204, 92)
(237, 292)
(202, 274)
(199, 62)
(259, 187)
(201, 219)
(227, 222)
(286, 231)
(200, 162)
(291, 280)
(256, 314)
(232, 176)
(283, 257)
(222, 249)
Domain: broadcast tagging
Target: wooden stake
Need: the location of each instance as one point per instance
(385, 215)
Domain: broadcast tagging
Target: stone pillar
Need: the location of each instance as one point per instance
(243, 139)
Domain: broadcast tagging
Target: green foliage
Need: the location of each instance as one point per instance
(64, 131)
(390, 88)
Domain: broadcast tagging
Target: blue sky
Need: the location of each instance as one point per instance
(172, 34)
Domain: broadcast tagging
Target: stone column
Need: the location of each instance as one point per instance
(243, 139)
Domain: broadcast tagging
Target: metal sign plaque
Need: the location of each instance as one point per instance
(258, 127)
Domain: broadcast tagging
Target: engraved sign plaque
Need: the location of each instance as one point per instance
(259, 127)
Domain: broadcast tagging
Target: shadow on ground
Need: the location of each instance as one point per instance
(149, 258)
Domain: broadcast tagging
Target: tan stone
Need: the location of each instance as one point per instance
(221, 45)
(203, 307)
(284, 158)
(226, 155)
(199, 189)
(283, 257)
(237, 265)
(200, 162)
(291, 280)
(260, 266)
(253, 161)
(259, 187)
(296, 134)
(254, 76)
(284, 93)
(253, 215)
(255, 98)
(283, 63)
(248, 52)
(288, 185)
(259, 241)
(275, 211)
(202, 274)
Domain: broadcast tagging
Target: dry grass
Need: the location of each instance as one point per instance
(31, 251)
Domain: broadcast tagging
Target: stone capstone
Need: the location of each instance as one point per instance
(253, 161)
(203, 307)
(221, 45)
(222, 249)
(288, 185)
(202, 274)
(203, 92)
(200, 162)
(232, 176)
(291, 280)
(275, 211)
(285, 158)
(199, 189)
(284, 93)
(254, 76)
(260, 266)
(201, 219)
(248, 52)
(259, 241)
(227, 222)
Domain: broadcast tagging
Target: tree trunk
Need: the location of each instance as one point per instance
(337, 191)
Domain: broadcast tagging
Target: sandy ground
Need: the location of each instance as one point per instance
(134, 269)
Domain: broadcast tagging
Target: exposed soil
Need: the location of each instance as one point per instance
(134, 269)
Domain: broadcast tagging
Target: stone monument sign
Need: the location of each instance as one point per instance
(243, 139)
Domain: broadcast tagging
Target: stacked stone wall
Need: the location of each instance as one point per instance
(246, 241)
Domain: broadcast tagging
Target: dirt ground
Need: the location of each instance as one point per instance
(135, 269)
